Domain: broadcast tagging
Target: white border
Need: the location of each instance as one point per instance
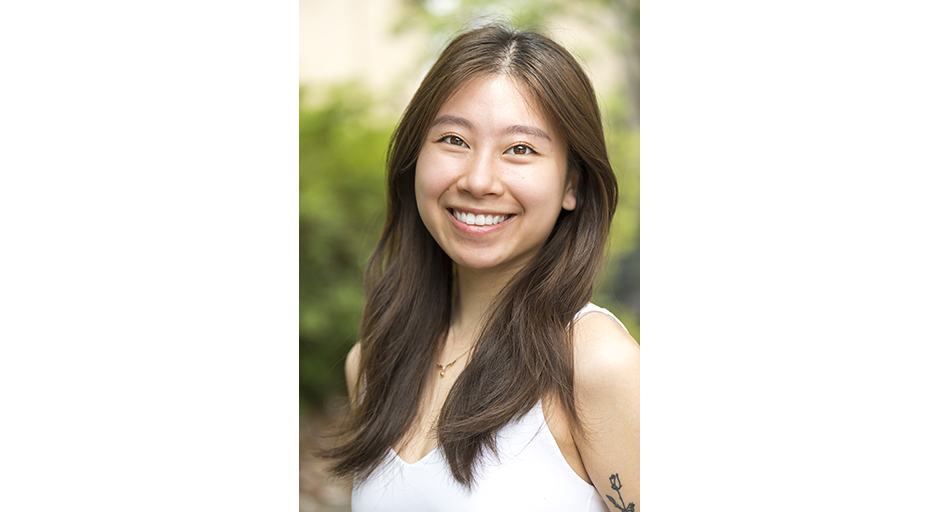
(148, 217)
(790, 228)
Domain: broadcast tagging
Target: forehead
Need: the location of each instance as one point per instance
(494, 101)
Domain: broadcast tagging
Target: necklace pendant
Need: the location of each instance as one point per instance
(442, 374)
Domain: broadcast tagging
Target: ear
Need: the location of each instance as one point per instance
(570, 199)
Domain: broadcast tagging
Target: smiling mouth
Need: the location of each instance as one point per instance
(479, 219)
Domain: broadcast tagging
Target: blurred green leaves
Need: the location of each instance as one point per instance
(618, 287)
(342, 197)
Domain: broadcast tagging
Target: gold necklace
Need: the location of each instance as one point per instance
(444, 367)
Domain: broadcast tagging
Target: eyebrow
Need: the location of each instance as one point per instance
(449, 119)
(516, 128)
(528, 130)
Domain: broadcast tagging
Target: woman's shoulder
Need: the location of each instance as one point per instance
(594, 325)
(602, 346)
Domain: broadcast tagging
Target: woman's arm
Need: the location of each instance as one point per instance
(607, 391)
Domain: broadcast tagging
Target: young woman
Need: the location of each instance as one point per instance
(484, 379)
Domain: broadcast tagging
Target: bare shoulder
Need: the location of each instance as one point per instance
(352, 369)
(603, 350)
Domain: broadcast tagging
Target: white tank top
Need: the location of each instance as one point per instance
(530, 474)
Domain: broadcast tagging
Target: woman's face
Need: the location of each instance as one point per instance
(492, 176)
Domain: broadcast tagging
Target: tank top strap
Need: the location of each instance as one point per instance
(594, 308)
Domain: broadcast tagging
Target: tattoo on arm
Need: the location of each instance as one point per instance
(616, 485)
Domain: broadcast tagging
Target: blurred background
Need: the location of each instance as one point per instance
(360, 62)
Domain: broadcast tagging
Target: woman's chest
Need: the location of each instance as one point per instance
(421, 438)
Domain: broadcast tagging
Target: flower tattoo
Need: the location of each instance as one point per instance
(616, 485)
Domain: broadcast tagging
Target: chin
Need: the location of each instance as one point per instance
(474, 263)
(478, 265)
(488, 263)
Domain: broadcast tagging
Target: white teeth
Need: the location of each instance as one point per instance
(479, 219)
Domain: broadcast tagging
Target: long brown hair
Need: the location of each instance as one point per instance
(524, 351)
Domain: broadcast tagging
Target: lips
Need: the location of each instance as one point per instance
(479, 219)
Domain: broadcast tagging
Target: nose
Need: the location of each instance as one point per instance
(481, 177)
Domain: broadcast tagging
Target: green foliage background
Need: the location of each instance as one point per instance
(342, 155)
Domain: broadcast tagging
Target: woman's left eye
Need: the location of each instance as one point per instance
(520, 149)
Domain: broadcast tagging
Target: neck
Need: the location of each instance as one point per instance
(474, 294)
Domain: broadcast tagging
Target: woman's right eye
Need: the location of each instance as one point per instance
(453, 139)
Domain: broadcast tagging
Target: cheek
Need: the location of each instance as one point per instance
(431, 178)
(428, 190)
(543, 190)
